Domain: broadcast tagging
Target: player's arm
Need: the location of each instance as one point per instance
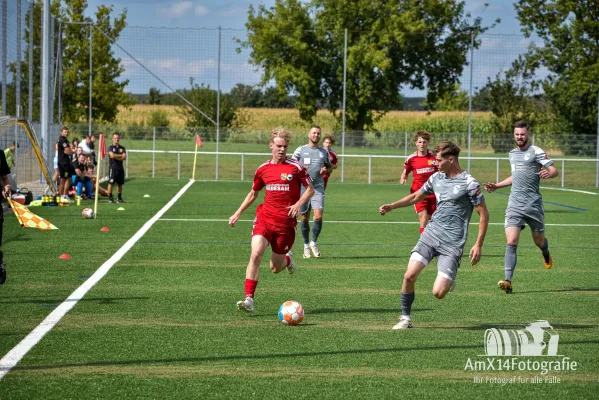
(79, 172)
(5, 186)
(249, 199)
(295, 208)
(549, 172)
(404, 202)
(404, 177)
(476, 250)
(67, 149)
(491, 187)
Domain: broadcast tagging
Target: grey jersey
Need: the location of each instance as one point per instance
(526, 165)
(313, 158)
(456, 198)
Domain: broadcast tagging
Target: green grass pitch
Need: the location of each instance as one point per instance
(163, 322)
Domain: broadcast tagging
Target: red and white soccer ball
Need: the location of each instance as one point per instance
(87, 213)
(291, 312)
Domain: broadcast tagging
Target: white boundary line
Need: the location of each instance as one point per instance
(354, 222)
(17, 353)
(567, 190)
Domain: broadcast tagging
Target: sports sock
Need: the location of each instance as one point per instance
(305, 226)
(406, 303)
(545, 250)
(316, 228)
(510, 261)
(250, 287)
(421, 230)
(287, 260)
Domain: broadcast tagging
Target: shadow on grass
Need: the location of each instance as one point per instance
(210, 359)
(361, 310)
(574, 289)
(49, 302)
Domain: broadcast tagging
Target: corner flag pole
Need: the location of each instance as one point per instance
(195, 156)
(102, 154)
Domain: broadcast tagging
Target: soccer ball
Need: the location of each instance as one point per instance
(291, 312)
(87, 213)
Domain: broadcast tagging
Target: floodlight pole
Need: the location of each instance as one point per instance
(470, 98)
(91, 41)
(597, 144)
(218, 100)
(4, 60)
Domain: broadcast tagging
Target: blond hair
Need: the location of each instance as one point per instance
(422, 134)
(281, 132)
(447, 148)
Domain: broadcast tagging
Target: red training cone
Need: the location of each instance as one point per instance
(65, 256)
(104, 229)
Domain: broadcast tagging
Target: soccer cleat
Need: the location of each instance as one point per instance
(120, 201)
(403, 323)
(505, 285)
(549, 264)
(2, 273)
(307, 252)
(291, 267)
(246, 305)
(111, 200)
(315, 250)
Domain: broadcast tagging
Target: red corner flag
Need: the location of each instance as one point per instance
(102, 147)
(199, 141)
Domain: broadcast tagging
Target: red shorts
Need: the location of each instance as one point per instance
(281, 238)
(429, 204)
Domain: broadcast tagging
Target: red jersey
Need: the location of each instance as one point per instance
(422, 166)
(283, 184)
(333, 160)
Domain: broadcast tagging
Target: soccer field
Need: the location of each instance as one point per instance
(162, 323)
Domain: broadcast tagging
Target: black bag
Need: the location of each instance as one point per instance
(28, 195)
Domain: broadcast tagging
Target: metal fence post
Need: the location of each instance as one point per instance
(242, 163)
(344, 94)
(91, 42)
(497, 171)
(563, 171)
(597, 144)
(153, 150)
(4, 60)
(31, 46)
(218, 100)
(127, 167)
(369, 169)
(405, 150)
(18, 66)
(533, 139)
(470, 98)
(179, 165)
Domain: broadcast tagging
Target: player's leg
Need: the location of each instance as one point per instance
(513, 226)
(282, 258)
(317, 202)
(252, 272)
(447, 270)
(110, 183)
(423, 217)
(120, 180)
(536, 221)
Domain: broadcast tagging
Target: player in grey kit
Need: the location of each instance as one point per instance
(529, 165)
(316, 159)
(458, 194)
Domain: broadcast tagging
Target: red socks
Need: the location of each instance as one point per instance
(250, 287)
(421, 230)
(287, 261)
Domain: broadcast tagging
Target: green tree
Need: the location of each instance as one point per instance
(154, 96)
(205, 99)
(570, 52)
(107, 91)
(391, 44)
(452, 100)
(245, 95)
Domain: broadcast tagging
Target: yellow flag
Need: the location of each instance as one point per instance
(27, 219)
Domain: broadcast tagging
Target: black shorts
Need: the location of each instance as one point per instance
(116, 176)
(65, 170)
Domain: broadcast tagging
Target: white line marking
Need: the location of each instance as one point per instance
(353, 222)
(18, 352)
(568, 190)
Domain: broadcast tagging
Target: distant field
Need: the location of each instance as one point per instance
(270, 117)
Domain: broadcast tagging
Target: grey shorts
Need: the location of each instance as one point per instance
(448, 259)
(316, 202)
(533, 218)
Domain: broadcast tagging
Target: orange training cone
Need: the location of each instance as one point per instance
(104, 229)
(65, 256)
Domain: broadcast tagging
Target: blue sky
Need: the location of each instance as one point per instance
(232, 14)
(176, 55)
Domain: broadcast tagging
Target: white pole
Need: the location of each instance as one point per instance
(45, 116)
(344, 95)
(470, 98)
(218, 101)
(91, 35)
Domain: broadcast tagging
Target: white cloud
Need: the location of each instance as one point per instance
(176, 10)
(201, 10)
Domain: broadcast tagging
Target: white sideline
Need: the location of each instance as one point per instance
(357, 222)
(15, 355)
(567, 190)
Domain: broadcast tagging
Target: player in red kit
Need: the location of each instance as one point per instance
(422, 164)
(276, 218)
(327, 143)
